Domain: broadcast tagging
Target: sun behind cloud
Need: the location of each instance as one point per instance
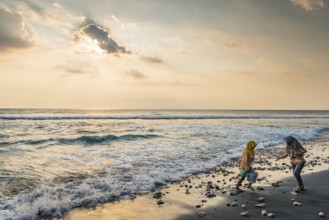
(93, 38)
(88, 45)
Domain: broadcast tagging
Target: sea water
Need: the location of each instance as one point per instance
(54, 160)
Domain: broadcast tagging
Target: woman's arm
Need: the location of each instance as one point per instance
(282, 156)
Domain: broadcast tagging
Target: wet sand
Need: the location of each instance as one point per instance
(212, 195)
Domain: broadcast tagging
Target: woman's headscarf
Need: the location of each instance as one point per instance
(294, 148)
(249, 148)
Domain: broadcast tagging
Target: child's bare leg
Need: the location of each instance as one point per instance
(239, 182)
(250, 187)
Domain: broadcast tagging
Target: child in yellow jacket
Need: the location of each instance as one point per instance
(246, 169)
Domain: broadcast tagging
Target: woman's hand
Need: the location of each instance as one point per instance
(281, 157)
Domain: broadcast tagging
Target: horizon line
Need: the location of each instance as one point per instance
(162, 109)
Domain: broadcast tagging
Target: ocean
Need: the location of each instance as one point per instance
(54, 160)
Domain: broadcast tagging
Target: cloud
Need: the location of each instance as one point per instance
(152, 59)
(231, 45)
(53, 17)
(75, 71)
(135, 74)
(247, 44)
(102, 38)
(77, 68)
(310, 5)
(14, 33)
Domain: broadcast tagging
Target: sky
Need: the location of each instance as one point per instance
(164, 54)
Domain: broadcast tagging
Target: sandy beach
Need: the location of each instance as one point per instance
(212, 195)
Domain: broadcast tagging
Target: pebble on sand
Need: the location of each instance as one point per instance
(202, 214)
(157, 195)
(234, 204)
(160, 202)
(260, 205)
(271, 215)
(243, 206)
(244, 213)
(260, 199)
(321, 214)
(264, 212)
(297, 203)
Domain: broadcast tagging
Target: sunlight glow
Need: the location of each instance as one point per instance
(88, 45)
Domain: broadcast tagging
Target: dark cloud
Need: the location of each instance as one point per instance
(104, 40)
(13, 33)
(135, 74)
(152, 59)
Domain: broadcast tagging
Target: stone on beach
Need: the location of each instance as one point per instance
(160, 202)
(321, 214)
(297, 203)
(264, 212)
(210, 195)
(243, 206)
(202, 214)
(275, 184)
(260, 199)
(271, 215)
(294, 193)
(234, 204)
(246, 213)
(233, 192)
(157, 195)
(260, 205)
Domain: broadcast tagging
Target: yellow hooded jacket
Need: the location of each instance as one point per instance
(247, 157)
